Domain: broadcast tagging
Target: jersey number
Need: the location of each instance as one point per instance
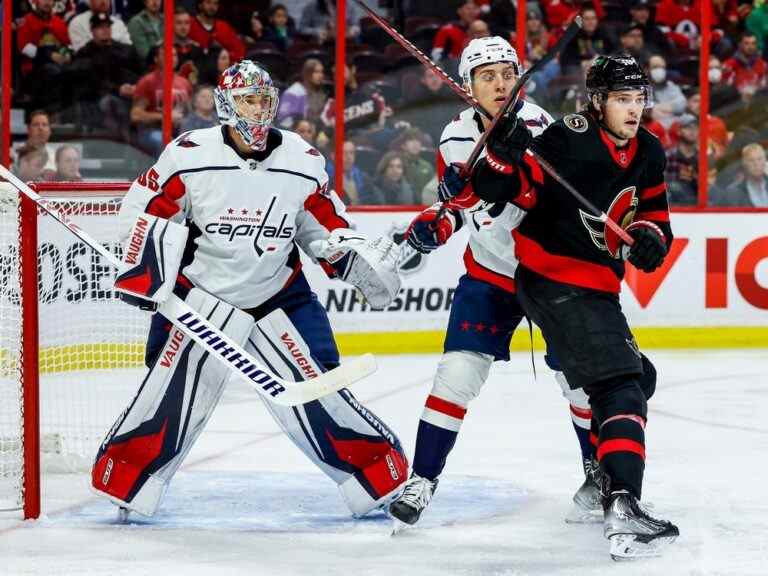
(149, 180)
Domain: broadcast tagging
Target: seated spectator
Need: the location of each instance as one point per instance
(451, 38)
(653, 38)
(104, 73)
(723, 97)
(307, 129)
(478, 29)
(427, 104)
(189, 51)
(213, 64)
(751, 190)
(80, 25)
(39, 136)
(672, 13)
(417, 170)
(717, 130)
(668, 99)
(588, 43)
(67, 164)
(207, 30)
(147, 113)
(746, 70)
(390, 186)
(203, 113)
(256, 32)
(655, 128)
(366, 112)
(682, 164)
(538, 42)
(146, 28)
(757, 24)
(358, 187)
(43, 40)
(30, 163)
(560, 12)
(279, 32)
(632, 42)
(318, 19)
(306, 97)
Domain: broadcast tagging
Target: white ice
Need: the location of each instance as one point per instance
(247, 502)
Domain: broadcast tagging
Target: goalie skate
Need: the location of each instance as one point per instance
(407, 508)
(632, 532)
(588, 501)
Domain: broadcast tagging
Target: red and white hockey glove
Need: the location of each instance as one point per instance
(650, 247)
(432, 228)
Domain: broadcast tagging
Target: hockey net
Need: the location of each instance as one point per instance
(71, 354)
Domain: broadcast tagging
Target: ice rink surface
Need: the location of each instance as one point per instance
(247, 502)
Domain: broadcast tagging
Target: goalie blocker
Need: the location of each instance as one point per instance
(292, 336)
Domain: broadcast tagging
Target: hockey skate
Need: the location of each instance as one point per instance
(588, 501)
(407, 508)
(632, 532)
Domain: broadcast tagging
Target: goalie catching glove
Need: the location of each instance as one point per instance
(368, 265)
(151, 261)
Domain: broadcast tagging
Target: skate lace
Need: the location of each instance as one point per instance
(417, 493)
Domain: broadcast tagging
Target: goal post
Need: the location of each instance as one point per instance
(71, 353)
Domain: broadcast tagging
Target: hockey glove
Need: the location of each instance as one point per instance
(650, 247)
(431, 229)
(452, 183)
(507, 144)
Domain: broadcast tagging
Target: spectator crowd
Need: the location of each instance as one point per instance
(97, 65)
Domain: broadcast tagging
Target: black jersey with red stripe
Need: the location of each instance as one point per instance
(559, 238)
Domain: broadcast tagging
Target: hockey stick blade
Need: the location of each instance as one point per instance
(218, 344)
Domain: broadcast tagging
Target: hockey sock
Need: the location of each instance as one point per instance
(582, 419)
(433, 444)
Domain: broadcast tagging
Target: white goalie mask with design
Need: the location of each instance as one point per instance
(246, 100)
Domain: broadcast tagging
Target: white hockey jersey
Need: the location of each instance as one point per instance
(490, 253)
(246, 215)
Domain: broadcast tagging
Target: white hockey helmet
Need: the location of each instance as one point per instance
(489, 50)
(246, 99)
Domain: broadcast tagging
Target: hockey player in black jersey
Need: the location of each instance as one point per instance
(571, 266)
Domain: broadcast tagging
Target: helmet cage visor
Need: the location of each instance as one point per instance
(602, 93)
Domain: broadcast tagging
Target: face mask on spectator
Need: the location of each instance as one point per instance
(715, 75)
(658, 75)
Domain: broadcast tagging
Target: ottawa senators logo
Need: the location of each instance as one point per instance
(621, 211)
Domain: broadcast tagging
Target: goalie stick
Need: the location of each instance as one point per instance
(218, 344)
(472, 101)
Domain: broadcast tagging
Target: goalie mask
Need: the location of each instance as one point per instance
(482, 51)
(246, 100)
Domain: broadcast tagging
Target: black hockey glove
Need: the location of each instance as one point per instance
(451, 184)
(650, 247)
(507, 144)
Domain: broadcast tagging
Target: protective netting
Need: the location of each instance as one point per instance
(91, 344)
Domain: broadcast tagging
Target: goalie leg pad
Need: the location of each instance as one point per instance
(348, 442)
(151, 438)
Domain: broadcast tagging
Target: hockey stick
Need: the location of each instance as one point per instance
(218, 344)
(472, 101)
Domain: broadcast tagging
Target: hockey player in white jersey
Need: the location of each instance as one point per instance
(485, 310)
(249, 196)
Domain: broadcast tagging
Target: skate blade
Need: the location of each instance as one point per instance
(398, 526)
(626, 547)
(122, 515)
(579, 515)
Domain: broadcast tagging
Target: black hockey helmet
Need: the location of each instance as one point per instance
(613, 73)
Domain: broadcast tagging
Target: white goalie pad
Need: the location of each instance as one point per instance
(324, 429)
(151, 258)
(151, 438)
(371, 266)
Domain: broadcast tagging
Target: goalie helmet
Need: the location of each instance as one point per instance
(615, 73)
(246, 99)
(482, 51)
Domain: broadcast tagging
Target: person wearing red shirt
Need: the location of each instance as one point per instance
(451, 38)
(147, 113)
(206, 29)
(560, 12)
(672, 12)
(746, 70)
(43, 41)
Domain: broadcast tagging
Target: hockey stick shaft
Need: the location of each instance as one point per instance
(218, 344)
(473, 102)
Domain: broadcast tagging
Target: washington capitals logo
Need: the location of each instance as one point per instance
(621, 211)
